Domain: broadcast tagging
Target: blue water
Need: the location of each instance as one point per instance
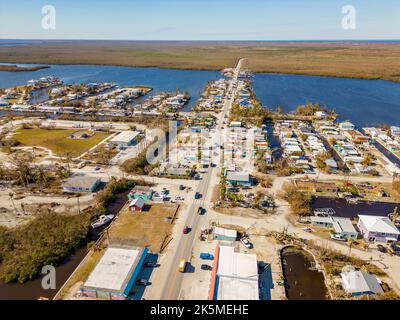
(365, 102)
(159, 79)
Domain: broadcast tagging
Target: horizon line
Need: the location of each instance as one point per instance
(194, 40)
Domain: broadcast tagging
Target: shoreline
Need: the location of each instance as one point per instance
(183, 68)
(16, 68)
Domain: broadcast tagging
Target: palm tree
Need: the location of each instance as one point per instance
(350, 241)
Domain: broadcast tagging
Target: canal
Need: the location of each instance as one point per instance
(347, 210)
(302, 280)
(32, 290)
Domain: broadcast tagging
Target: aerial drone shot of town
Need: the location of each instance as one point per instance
(204, 151)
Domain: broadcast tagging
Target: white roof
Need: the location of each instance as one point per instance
(125, 136)
(225, 232)
(379, 224)
(139, 202)
(238, 176)
(360, 282)
(343, 225)
(237, 275)
(113, 269)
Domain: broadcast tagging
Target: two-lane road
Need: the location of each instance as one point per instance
(172, 286)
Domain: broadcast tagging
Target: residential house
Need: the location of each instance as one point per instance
(347, 125)
(137, 205)
(359, 283)
(378, 229)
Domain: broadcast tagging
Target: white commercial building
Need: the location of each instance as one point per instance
(125, 138)
(236, 277)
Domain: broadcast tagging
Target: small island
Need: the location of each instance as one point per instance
(15, 68)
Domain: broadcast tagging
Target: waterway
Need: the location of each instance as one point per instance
(169, 80)
(347, 210)
(364, 102)
(302, 280)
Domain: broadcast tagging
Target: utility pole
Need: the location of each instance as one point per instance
(79, 207)
(12, 201)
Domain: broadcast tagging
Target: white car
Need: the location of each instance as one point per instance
(246, 243)
(337, 237)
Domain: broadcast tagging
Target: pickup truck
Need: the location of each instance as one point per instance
(182, 265)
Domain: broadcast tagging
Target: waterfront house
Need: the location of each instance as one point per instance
(359, 283)
(395, 131)
(347, 125)
(321, 114)
(342, 226)
(81, 184)
(137, 205)
(378, 229)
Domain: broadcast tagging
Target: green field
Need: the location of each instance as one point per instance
(337, 59)
(58, 140)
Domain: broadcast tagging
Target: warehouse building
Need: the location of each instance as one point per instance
(81, 184)
(125, 139)
(116, 273)
(234, 275)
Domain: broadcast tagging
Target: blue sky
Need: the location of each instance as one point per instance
(200, 20)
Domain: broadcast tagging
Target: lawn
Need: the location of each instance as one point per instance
(58, 140)
(143, 229)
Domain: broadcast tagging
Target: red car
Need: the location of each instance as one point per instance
(186, 230)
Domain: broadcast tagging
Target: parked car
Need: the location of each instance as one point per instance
(206, 267)
(206, 256)
(246, 243)
(150, 264)
(381, 248)
(309, 230)
(337, 237)
(142, 282)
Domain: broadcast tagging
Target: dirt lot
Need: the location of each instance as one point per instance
(144, 229)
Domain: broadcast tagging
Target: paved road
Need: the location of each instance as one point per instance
(172, 286)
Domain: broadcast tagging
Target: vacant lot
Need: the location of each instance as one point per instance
(143, 229)
(354, 60)
(58, 140)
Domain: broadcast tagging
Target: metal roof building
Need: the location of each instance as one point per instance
(235, 275)
(115, 274)
(359, 283)
(125, 138)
